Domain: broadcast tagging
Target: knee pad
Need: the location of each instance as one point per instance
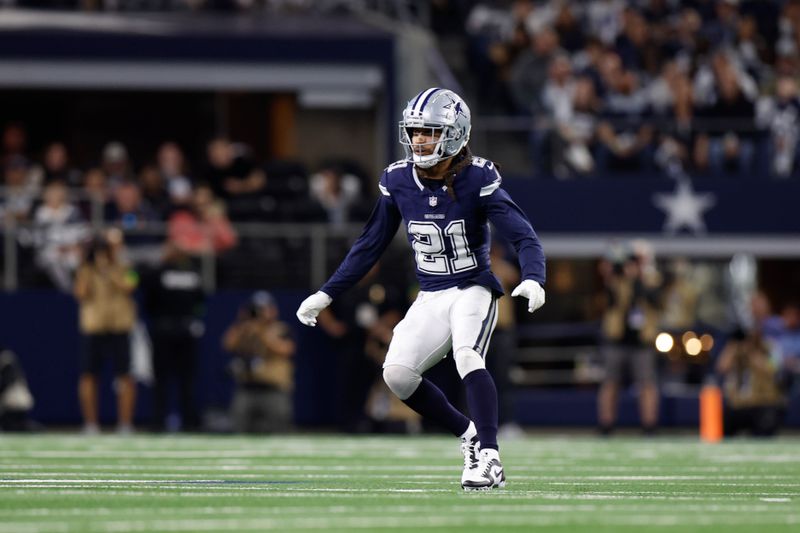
(401, 380)
(468, 360)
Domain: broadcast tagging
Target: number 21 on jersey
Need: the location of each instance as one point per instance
(429, 247)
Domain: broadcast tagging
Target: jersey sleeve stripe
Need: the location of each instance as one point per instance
(384, 190)
(489, 189)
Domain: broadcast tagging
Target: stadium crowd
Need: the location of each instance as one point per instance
(58, 204)
(612, 87)
(618, 86)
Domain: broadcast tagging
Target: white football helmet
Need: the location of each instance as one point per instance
(446, 115)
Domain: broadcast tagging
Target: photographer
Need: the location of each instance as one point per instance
(103, 288)
(262, 367)
(630, 320)
(754, 401)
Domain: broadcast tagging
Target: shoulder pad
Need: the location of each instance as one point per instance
(397, 164)
(490, 178)
(383, 183)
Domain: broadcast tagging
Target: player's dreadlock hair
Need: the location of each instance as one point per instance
(461, 161)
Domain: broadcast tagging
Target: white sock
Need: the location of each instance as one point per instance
(470, 432)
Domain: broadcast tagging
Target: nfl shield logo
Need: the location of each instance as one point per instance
(432, 201)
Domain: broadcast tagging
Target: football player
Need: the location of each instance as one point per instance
(446, 198)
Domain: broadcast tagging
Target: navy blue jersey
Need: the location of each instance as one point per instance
(450, 238)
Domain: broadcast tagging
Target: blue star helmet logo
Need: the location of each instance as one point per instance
(458, 109)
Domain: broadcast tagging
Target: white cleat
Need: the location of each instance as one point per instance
(471, 450)
(488, 474)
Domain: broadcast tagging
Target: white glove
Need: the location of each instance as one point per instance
(533, 292)
(311, 307)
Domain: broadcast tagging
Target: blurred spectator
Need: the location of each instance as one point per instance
(569, 29)
(103, 288)
(780, 116)
(683, 41)
(625, 133)
(56, 166)
(132, 214)
(679, 297)
(174, 301)
(753, 399)
(789, 28)
(339, 194)
(763, 319)
(671, 100)
(116, 164)
(499, 24)
(287, 196)
(174, 172)
(788, 341)
(235, 178)
(203, 228)
(496, 37)
(95, 198)
(630, 323)
(21, 191)
(588, 63)
(659, 11)
(721, 29)
(154, 192)
(14, 142)
(59, 234)
(559, 88)
(724, 143)
(604, 19)
(574, 136)
(529, 71)
(262, 367)
(635, 46)
(750, 47)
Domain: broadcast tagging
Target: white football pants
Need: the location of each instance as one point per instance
(463, 319)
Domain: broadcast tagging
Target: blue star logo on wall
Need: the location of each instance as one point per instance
(684, 208)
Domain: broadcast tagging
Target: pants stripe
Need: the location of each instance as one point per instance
(485, 325)
(488, 338)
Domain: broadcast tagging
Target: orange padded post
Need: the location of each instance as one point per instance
(710, 413)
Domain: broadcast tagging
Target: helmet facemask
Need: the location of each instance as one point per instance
(444, 117)
(418, 152)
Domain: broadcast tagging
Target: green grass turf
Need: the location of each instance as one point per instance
(62, 483)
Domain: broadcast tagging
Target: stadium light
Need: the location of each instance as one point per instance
(707, 342)
(693, 346)
(664, 342)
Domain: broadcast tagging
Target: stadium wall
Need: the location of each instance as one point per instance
(41, 327)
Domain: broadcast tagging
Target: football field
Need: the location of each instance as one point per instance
(64, 483)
